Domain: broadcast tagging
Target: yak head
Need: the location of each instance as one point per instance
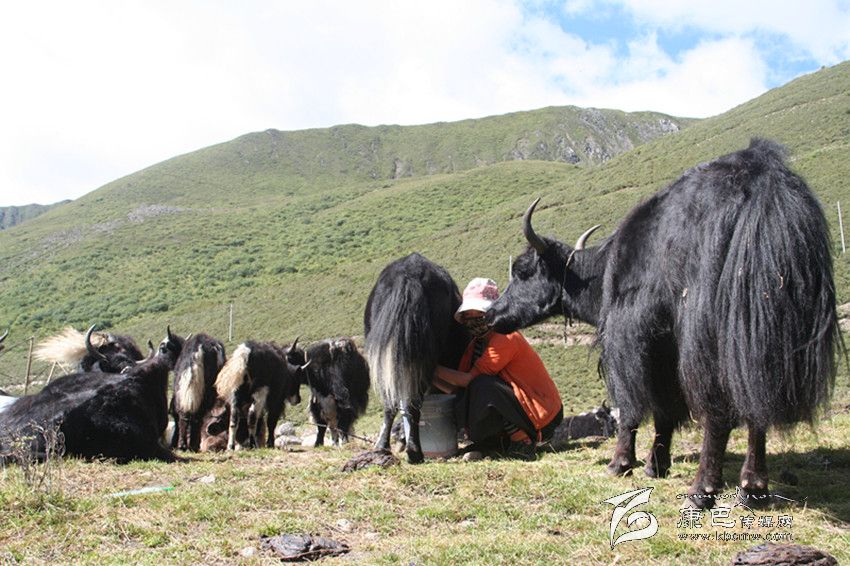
(550, 278)
(170, 348)
(109, 353)
(296, 363)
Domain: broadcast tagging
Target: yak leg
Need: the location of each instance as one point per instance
(344, 421)
(624, 454)
(194, 434)
(383, 442)
(754, 492)
(185, 431)
(669, 406)
(235, 415)
(321, 424)
(272, 416)
(411, 415)
(658, 460)
(709, 480)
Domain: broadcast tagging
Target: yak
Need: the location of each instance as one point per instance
(121, 416)
(92, 351)
(194, 388)
(410, 329)
(256, 382)
(713, 298)
(338, 377)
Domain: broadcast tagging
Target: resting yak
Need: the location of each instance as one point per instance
(410, 329)
(120, 416)
(715, 296)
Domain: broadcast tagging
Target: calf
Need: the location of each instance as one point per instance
(194, 388)
(338, 377)
(214, 428)
(119, 416)
(255, 382)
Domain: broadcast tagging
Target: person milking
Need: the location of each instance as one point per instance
(507, 402)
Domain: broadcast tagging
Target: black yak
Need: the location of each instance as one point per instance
(338, 377)
(92, 351)
(121, 416)
(256, 382)
(194, 388)
(410, 329)
(714, 296)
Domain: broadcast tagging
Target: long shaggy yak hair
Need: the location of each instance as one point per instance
(409, 326)
(741, 275)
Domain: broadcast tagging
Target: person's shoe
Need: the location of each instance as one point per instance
(519, 450)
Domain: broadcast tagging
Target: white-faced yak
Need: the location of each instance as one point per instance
(713, 298)
(410, 329)
(109, 415)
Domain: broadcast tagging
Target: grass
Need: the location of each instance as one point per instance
(489, 512)
(444, 512)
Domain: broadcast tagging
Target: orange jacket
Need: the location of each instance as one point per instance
(513, 359)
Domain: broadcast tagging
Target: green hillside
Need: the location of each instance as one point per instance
(293, 228)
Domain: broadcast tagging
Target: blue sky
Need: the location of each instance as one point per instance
(95, 90)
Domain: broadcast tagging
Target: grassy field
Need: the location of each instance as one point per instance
(550, 511)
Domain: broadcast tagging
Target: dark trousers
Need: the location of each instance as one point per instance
(487, 405)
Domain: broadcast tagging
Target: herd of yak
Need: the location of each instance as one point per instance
(714, 301)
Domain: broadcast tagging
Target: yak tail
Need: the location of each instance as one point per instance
(67, 348)
(401, 349)
(234, 372)
(777, 330)
(190, 384)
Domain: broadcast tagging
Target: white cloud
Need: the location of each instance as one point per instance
(94, 90)
(819, 28)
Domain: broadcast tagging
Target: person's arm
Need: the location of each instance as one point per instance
(451, 377)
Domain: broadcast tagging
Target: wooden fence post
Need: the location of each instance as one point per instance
(230, 325)
(29, 366)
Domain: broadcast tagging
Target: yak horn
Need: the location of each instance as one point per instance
(168, 333)
(91, 349)
(294, 343)
(4, 335)
(536, 241)
(582, 240)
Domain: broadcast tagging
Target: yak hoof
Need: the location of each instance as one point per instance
(415, 457)
(703, 496)
(620, 467)
(657, 472)
(754, 498)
